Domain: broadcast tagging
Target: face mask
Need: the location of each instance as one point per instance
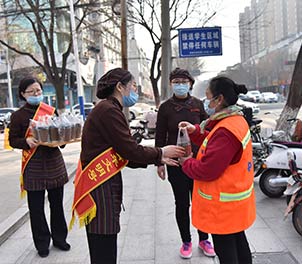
(131, 99)
(209, 111)
(35, 100)
(181, 89)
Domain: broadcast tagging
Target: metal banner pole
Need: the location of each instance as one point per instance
(77, 61)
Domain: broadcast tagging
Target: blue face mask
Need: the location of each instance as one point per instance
(209, 111)
(35, 100)
(181, 89)
(131, 99)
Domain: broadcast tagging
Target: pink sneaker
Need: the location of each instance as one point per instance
(186, 250)
(207, 248)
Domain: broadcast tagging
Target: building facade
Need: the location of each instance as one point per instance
(99, 44)
(270, 38)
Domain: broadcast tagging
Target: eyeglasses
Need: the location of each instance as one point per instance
(180, 82)
(38, 91)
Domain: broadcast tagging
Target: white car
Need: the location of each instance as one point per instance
(139, 110)
(254, 96)
(255, 107)
(269, 97)
(87, 108)
(244, 104)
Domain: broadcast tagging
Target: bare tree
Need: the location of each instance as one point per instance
(43, 19)
(294, 99)
(193, 64)
(146, 13)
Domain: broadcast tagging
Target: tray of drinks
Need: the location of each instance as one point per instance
(59, 143)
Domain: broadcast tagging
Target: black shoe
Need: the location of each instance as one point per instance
(43, 253)
(63, 246)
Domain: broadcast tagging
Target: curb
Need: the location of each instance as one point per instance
(11, 224)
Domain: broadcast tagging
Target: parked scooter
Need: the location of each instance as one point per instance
(275, 165)
(262, 146)
(142, 131)
(293, 191)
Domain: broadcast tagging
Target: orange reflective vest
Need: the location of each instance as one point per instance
(227, 204)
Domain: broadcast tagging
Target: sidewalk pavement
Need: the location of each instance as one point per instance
(149, 234)
(14, 211)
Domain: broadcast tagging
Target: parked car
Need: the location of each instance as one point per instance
(5, 114)
(253, 96)
(269, 97)
(244, 97)
(87, 108)
(139, 110)
(245, 104)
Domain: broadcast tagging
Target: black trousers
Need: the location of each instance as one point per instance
(232, 248)
(182, 187)
(102, 248)
(40, 230)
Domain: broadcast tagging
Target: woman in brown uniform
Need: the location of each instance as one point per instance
(43, 168)
(107, 147)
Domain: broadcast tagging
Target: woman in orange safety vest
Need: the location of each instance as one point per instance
(223, 201)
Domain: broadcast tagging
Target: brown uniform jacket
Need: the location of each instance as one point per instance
(46, 169)
(106, 127)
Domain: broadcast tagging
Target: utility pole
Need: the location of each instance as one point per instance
(166, 49)
(77, 61)
(124, 34)
(124, 45)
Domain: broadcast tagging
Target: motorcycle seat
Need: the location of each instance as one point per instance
(289, 144)
(143, 122)
(256, 121)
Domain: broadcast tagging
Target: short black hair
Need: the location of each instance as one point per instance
(228, 88)
(25, 82)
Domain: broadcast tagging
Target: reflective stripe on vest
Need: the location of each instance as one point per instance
(229, 197)
(206, 196)
(232, 197)
(205, 142)
(246, 139)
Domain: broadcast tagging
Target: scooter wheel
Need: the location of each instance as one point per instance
(137, 137)
(297, 218)
(266, 188)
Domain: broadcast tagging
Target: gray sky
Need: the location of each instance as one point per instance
(228, 18)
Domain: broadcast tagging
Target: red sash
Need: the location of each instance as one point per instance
(100, 169)
(43, 109)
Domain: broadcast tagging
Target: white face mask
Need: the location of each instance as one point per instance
(210, 111)
(181, 89)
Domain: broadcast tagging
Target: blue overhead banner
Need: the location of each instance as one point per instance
(197, 42)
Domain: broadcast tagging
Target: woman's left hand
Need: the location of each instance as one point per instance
(183, 159)
(32, 142)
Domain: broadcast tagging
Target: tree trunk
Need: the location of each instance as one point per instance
(154, 83)
(294, 99)
(153, 79)
(59, 86)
